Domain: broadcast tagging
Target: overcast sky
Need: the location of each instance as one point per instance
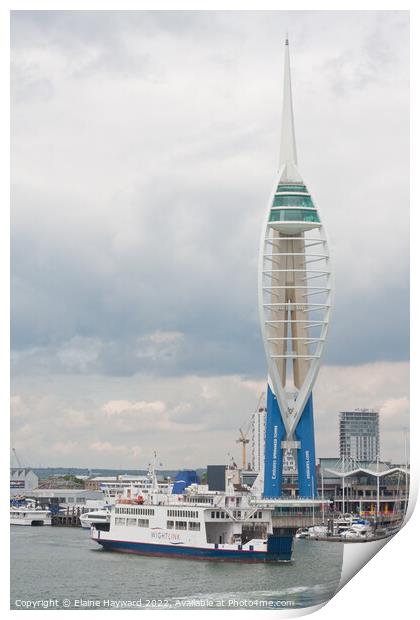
(144, 148)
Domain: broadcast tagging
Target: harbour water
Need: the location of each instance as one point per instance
(55, 567)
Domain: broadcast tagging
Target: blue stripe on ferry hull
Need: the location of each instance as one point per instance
(192, 553)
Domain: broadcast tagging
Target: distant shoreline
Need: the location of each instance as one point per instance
(47, 472)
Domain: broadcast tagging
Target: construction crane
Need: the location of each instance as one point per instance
(243, 435)
(19, 464)
(243, 440)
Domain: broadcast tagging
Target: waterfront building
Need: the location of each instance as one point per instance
(258, 439)
(364, 488)
(22, 480)
(295, 298)
(258, 425)
(68, 498)
(216, 477)
(359, 434)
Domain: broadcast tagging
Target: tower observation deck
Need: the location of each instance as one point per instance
(295, 298)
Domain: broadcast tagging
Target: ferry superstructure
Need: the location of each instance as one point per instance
(113, 488)
(195, 524)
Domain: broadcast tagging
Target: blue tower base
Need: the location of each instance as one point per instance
(275, 433)
(306, 453)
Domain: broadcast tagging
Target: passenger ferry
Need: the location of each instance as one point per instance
(27, 515)
(193, 522)
(102, 515)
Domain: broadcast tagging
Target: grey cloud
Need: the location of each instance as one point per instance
(144, 146)
(27, 84)
(190, 420)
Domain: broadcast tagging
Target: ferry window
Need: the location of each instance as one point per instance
(143, 522)
(131, 521)
(212, 514)
(194, 526)
(217, 515)
(181, 525)
(170, 525)
(260, 514)
(119, 521)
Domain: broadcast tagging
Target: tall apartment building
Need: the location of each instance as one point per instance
(359, 434)
(258, 427)
(258, 439)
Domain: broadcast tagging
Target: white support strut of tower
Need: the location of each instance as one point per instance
(294, 279)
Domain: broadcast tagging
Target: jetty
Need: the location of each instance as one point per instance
(70, 518)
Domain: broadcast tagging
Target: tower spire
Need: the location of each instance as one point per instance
(288, 155)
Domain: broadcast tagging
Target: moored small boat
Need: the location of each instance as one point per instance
(26, 515)
(88, 519)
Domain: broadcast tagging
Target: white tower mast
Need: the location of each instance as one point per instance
(294, 281)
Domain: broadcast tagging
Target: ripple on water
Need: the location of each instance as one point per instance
(53, 562)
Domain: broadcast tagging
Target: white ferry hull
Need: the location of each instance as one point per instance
(30, 520)
(278, 549)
